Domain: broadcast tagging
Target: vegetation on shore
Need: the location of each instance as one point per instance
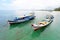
(57, 9)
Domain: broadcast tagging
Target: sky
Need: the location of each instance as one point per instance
(28, 4)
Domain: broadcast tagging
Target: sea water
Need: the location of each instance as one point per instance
(24, 31)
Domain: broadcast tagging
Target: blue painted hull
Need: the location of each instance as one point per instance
(19, 20)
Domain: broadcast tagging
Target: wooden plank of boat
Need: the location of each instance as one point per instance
(12, 22)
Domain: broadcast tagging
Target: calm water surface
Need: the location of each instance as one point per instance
(24, 31)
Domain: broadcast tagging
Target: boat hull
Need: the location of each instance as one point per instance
(38, 27)
(20, 21)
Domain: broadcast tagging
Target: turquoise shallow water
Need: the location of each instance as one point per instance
(24, 31)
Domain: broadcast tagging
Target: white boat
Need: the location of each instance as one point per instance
(44, 23)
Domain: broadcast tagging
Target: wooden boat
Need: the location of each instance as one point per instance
(22, 19)
(44, 23)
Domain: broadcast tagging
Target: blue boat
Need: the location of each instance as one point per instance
(22, 19)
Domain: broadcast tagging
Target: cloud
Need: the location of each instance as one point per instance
(27, 4)
(30, 4)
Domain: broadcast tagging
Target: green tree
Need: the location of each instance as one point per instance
(57, 9)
